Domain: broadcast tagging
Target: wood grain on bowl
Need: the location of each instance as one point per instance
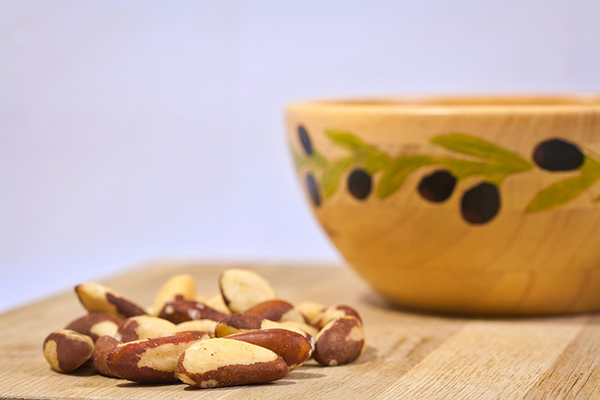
(473, 205)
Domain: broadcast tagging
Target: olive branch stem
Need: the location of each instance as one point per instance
(497, 163)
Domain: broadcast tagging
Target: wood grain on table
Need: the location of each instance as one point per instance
(409, 355)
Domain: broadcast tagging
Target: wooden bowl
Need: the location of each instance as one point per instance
(480, 205)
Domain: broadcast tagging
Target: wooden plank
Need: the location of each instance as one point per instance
(408, 354)
(576, 373)
(490, 359)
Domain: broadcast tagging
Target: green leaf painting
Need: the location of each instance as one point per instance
(477, 158)
(352, 143)
(470, 145)
(372, 159)
(396, 173)
(332, 174)
(559, 193)
(568, 189)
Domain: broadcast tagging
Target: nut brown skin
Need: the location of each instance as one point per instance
(291, 346)
(98, 298)
(276, 310)
(151, 360)
(332, 313)
(95, 324)
(224, 362)
(239, 323)
(180, 310)
(144, 327)
(66, 350)
(104, 345)
(340, 342)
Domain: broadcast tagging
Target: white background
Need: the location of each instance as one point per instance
(134, 130)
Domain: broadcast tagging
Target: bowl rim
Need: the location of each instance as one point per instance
(578, 102)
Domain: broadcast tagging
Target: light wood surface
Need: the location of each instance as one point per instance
(409, 355)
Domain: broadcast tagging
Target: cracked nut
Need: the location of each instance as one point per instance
(224, 362)
(98, 298)
(151, 360)
(144, 327)
(95, 324)
(341, 341)
(66, 350)
(242, 289)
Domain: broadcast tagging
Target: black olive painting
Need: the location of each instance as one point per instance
(490, 164)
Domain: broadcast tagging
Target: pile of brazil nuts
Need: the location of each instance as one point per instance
(243, 335)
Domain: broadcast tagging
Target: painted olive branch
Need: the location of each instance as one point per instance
(568, 189)
(487, 160)
(498, 163)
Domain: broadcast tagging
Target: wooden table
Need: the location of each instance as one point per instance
(409, 355)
